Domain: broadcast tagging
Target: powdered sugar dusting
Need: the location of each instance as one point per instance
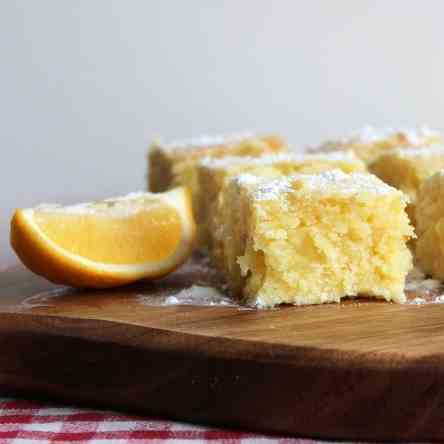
(418, 301)
(334, 156)
(195, 295)
(420, 290)
(338, 181)
(421, 284)
(117, 206)
(247, 179)
(417, 136)
(81, 208)
(369, 134)
(419, 152)
(327, 182)
(196, 283)
(273, 190)
(203, 141)
(129, 196)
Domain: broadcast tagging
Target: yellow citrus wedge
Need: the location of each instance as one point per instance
(108, 243)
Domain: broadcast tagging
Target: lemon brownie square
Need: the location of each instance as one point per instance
(173, 164)
(407, 168)
(311, 239)
(369, 143)
(429, 213)
(213, 173)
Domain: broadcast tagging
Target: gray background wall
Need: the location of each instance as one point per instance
(85, 84)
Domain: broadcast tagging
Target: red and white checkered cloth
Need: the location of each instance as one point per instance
(36, 422)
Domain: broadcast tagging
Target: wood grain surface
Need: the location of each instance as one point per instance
(361, 370)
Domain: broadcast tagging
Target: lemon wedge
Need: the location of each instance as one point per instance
(107, 243)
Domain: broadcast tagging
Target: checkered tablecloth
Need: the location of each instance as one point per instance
(36, 422)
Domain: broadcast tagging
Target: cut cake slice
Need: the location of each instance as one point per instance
(310, 239)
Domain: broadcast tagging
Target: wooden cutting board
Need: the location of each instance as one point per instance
(361, 370)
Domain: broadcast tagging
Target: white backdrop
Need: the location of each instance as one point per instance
(85, 84)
